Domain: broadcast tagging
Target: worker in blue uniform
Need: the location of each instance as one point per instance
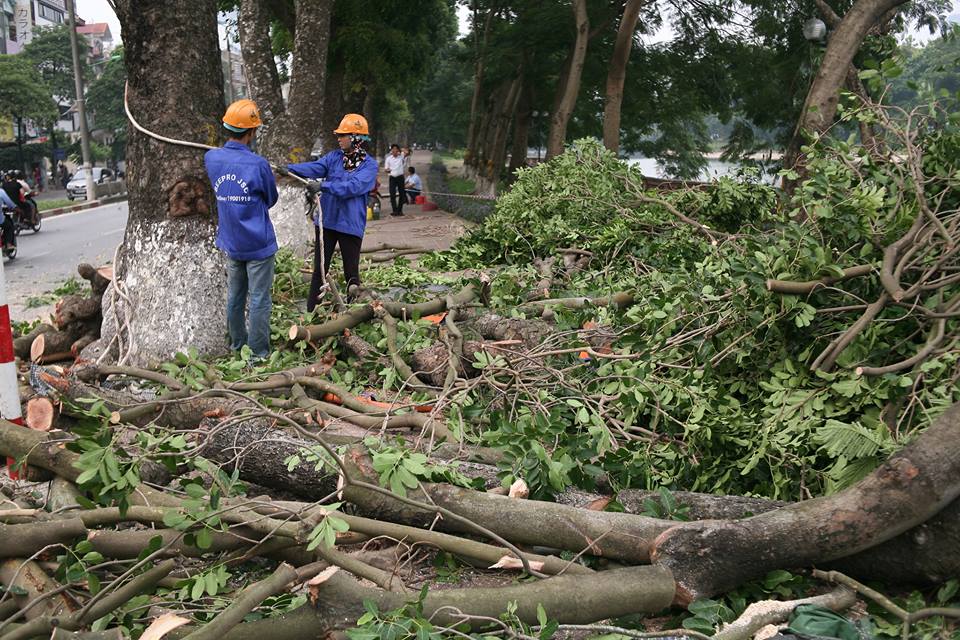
(245, 189)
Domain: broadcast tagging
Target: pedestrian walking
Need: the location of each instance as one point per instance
(395, 165)
(349, 174)
(245, 190)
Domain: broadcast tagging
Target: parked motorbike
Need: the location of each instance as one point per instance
(28, 215)
(9, 250)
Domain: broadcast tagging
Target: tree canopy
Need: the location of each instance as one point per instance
(23, 93)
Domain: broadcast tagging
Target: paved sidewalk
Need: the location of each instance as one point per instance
(433, 230)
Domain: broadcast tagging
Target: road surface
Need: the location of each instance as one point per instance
(46, 259)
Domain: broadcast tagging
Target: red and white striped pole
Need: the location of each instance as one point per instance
(9, 391)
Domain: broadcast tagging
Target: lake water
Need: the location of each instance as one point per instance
(714, 169)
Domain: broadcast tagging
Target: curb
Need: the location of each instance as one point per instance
(50, 213)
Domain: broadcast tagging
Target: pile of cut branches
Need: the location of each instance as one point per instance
(527, 425)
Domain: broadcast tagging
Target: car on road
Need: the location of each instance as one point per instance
(77, 187)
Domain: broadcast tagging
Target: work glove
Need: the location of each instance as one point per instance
(314, 187)
(282, 171)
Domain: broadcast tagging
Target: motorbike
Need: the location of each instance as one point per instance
(9, 250)
(27, 214)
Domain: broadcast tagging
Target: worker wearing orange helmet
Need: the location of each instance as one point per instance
(349, 174)
(245, 189)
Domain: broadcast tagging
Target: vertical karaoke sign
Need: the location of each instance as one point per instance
(23, 19)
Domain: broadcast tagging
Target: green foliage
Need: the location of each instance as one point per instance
(400, 468)
(712, 388)
(326, 531)
(666, 508)
(71, 286)
(23, 93)
(50, 53)
(409, 623)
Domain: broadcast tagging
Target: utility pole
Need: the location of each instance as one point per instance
(80, 104)
(230, 96)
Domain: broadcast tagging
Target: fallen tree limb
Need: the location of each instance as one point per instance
(915, 483)
(809, 286)
(44, 625)
(245, 602)
(39, 592)
(620, 300)
(612, 535)
(572, 599)
(357, 315)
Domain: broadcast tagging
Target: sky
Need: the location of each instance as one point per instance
(100, 11)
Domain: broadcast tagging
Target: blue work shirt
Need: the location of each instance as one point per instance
(343, 197)
(245, 189)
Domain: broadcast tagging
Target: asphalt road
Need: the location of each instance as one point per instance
(46, 259)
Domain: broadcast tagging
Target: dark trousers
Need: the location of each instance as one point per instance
(9, 235)
(397, 200)
(349, 251)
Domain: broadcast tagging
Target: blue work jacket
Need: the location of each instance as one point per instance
(245, 189)
(343, 197)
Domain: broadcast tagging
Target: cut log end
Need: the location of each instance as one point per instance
(293, 332)
(40, 414)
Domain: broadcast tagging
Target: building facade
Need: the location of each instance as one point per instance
(19, 17)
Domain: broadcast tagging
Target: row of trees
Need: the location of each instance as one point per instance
(548, 71)
(545, 70)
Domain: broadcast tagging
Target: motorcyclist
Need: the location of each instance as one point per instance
(9, 235)
(12, 187)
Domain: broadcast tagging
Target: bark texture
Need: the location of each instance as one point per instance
(289, 131)
(561, 115)
(173, 280)
(617, 74)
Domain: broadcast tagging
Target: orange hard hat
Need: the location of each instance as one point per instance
(353, 123)
(242, 114)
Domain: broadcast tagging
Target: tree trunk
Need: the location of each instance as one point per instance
(497, 149)
(521, 131)
(617, 73)
(480, 47)
(332, 106)
(259, 67)
(289, 132)
(708, 558)
(171, 274)
(571, 87)
(820, 107)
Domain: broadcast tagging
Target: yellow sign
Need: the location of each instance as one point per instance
(6, 130)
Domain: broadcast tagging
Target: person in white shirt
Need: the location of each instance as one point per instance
(413, 185)
(395, 165)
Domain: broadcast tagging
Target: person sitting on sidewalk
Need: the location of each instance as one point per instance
(413, 185)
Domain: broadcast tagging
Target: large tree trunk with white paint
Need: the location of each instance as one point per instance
(170, 276)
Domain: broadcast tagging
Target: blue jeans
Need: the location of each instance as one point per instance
(256, 278)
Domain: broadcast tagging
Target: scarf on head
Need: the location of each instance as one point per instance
(357, 154)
